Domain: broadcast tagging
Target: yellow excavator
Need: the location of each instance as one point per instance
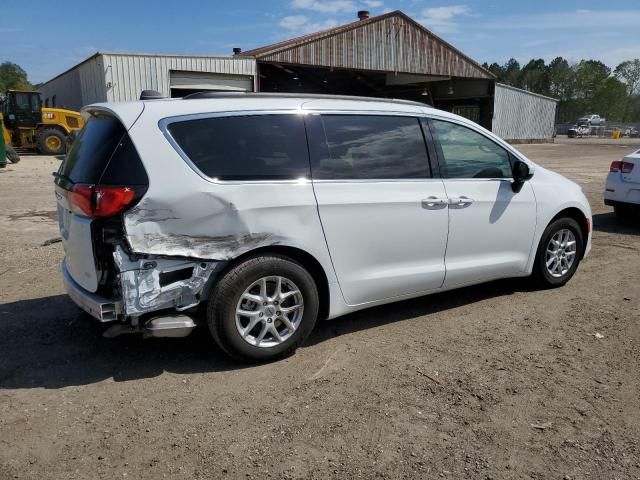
(27, 126)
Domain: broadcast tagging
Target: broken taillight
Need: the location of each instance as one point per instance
(100, 201)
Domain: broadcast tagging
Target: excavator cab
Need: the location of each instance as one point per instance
(22, 109)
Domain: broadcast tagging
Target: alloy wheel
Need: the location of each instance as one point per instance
(561, 253)
(269, 311)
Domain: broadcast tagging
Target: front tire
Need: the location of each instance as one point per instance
(52, 141)
(262, 309)
(559, 253)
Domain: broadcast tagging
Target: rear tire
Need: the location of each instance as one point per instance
(12, 155)
(52, 141)
(252, 287)
(559, 253)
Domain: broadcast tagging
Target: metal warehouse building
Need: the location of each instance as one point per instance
(390, 56)
(119, 77)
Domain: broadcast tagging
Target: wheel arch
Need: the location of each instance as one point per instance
(580, 218)
(304, 258)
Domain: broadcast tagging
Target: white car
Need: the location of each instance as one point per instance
(258, 214)
(622, 190)
(593, 120)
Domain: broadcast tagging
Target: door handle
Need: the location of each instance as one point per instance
(434, 203)
(460, 202)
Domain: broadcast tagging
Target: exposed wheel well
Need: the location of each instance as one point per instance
(579, 217)
(307, 260)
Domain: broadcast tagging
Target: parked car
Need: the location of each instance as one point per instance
(631, 132)
(592, 120)
(260, 214)
(579, 131)
(622, 190)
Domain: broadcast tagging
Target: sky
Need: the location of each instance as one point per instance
(47, 37)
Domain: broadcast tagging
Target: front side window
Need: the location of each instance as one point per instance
(468, 154)
(255, 147)
(372, 147)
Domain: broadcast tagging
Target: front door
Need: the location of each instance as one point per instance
(491, 227)
(384, 216)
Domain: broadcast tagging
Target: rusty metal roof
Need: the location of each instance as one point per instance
(392, 42)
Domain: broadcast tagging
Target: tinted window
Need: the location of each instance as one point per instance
(103, 154)
(468, 154)
(260, 147)
(23, 101)
(35, 103)
(372, 147)
(125, 166)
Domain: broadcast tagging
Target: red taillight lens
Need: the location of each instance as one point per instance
(81, 200)
(620, 166)
(112, 200)
(98, 201)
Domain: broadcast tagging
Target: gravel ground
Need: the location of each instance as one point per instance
(494, 381)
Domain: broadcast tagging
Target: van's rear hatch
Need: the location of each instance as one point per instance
(101, 177)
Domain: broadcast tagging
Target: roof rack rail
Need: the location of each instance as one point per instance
(310, 96)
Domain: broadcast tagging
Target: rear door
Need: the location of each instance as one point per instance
(491, 227)
(384, 215)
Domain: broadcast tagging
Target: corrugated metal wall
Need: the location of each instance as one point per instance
(116, 77)
(392, 44)
(128, 74)
(77, 87)
(522, 115)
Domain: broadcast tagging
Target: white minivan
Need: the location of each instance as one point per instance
(259, 214)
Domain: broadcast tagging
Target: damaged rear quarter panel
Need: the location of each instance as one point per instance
(220, 224)
(185, 215)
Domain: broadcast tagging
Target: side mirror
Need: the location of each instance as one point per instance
(521, 173)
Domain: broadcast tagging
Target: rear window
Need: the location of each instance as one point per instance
(103, 154)
(256, 147)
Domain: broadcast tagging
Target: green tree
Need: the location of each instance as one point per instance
(12, 76)
(610, 100)
(589, 75)
(581, 88)
(534, 77)
(496, 69)
(562, 86)
(629, 73)
(633, 109)
(511, 73)
(561, 78)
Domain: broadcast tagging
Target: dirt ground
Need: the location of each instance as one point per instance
(494, 381)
